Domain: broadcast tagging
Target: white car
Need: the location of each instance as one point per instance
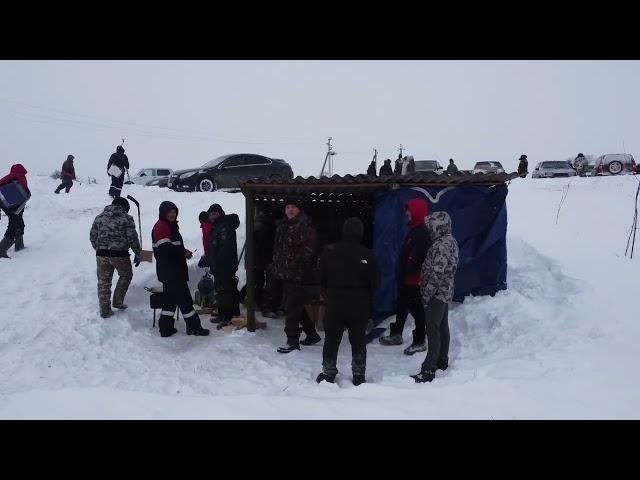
(151, 177)
(488, 167)
(553, 170)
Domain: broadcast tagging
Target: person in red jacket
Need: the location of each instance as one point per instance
(15, 229)
(171, 268)
(68, 174)
(414, 250)
(206, 226)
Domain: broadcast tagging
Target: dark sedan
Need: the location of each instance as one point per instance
(227, 170)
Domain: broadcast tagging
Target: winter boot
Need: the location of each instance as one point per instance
(289, 347)
(324, 377)
(194, 327)
(424, 376)
(358, 380)
(311, 339)
(19, 242)
(443, 365)
(5, 245)
(269, 314)
(106, 313)
(165, 325)
(121, 306)
(218, 319)
(415, 348)
(392, 339)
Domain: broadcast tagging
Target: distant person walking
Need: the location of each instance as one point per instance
(121, 162)
(68, 175)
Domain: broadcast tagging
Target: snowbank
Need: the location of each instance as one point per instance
(560, 343)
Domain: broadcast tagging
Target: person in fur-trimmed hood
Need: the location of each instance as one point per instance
(437, 281)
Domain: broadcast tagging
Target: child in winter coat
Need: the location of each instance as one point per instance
(436, 288)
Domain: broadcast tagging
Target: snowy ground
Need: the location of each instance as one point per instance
(562, 342)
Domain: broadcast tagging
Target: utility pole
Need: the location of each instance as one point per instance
(375, 158)
(330, 153)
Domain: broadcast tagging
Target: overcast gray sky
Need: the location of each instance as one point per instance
(183, 113)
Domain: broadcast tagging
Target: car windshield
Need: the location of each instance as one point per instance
(488, 165)
(426, 165)
(555, 165)
(215, 161)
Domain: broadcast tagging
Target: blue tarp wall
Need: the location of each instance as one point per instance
(479, 216)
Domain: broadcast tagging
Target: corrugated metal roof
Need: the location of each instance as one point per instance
(369, 184)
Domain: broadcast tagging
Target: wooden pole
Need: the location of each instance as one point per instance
(249, 262)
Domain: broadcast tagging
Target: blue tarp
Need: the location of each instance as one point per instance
(479, 216)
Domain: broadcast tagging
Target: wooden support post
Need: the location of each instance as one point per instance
(249, 262)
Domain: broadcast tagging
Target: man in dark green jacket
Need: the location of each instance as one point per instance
(223, 261)
(452, 168)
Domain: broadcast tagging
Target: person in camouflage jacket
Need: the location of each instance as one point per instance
(112, 234)
(294, 259)
(436, 287)
(294, 254)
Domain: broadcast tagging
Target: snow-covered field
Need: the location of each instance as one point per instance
(562, 342)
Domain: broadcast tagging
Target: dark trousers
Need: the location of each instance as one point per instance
(226, 294)
(176, 294)
(272, 295)
(296, 297)
(116, 186)
(437, 318)
(409, 300)
(16, 225)
(336, 319)
(67, 183)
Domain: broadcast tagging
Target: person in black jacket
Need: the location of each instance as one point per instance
(67, 175)
(372, 168)
(171, 267)
(413, 253)
(523, 166)
(120, 160)
(223, 261)
(348, 278)
(386, 169)
(398, 168)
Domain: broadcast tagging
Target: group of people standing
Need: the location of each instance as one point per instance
(403, 166)
(346, 271)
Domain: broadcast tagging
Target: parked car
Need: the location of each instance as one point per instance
(553, 169)
(488, 167)
(151, 177)
(429, 166)
(615, 164)
(225, 171)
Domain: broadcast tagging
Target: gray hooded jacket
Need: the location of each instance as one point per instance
(441, 263)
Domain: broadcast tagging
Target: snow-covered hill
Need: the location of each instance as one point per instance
(562, 342)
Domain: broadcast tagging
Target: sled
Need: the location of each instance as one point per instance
(238, 323)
